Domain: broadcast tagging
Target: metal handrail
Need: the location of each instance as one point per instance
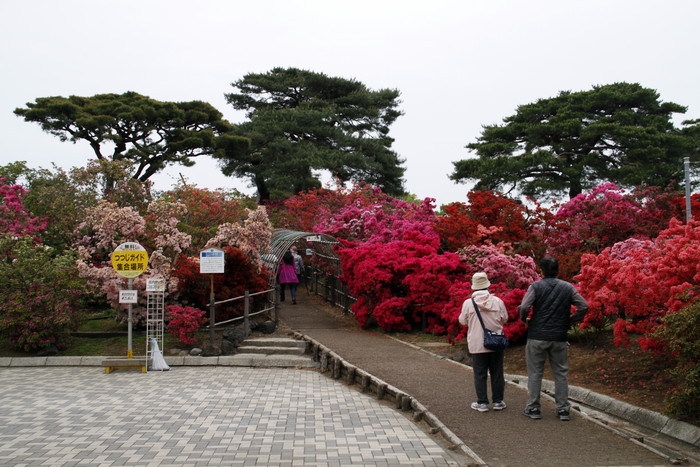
(243, 296)
(247, 314)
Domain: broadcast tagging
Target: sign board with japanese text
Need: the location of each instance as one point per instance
(211, 261)
(130, 259)
(155, 284)
(128, 296)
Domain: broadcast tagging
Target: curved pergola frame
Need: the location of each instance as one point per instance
(308, 244)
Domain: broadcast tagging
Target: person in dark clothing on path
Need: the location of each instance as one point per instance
(286, 275)
(550, 300)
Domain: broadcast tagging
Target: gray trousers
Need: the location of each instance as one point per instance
(536, 353)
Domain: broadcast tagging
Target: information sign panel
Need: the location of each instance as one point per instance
(155, 284)
(211, 261)
(128, 296)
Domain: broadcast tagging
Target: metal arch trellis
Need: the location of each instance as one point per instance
(322, 263)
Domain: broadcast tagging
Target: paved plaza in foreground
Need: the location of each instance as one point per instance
(80, 416)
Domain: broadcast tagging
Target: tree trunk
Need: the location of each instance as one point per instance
(263, 190)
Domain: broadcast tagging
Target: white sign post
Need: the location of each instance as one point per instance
(211, 261)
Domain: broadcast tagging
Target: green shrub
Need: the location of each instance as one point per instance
(40, 297)
(681, 333)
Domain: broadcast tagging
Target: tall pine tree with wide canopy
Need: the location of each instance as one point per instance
(302, 122)
(620, 133)
(149, 133)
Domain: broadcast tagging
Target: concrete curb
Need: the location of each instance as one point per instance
(242, 359)
(654, 421)
(646, 418)
(339, 368)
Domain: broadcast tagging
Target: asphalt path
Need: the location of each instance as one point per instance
(445, 388)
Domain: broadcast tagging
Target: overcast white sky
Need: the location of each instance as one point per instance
(458, 64)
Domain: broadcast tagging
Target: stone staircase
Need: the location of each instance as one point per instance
(274, 352)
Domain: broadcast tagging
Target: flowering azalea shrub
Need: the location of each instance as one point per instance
(487, 217)
(106, 226)
(40, 297)
(304, 211)
(14, 217)
(377, 222)
(206, 210)
(184, 322)
(396, 283)
(680, 334)
(39, 317)
(593, 221)
(241, 275)
(635, 284)
(513, 270)
(252, 237)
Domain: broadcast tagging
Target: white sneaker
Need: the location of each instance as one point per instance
(499, 405)
(480, 407)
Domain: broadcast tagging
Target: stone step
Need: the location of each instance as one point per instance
(269, 350)
(275, 342)
(273, 360)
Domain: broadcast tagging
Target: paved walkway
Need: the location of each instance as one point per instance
(221, 415)
(506, 438)
(191, 416)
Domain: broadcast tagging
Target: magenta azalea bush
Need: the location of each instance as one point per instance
(14, 217)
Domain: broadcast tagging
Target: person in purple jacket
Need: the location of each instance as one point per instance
(287, 275)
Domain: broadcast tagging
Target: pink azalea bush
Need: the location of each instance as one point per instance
(106, 226)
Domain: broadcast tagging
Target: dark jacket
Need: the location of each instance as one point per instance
(551, 300)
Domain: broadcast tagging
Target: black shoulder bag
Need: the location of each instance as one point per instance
(492, 340)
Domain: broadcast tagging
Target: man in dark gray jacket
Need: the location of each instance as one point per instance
(550, 301)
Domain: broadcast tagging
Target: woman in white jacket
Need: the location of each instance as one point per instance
(485, 361)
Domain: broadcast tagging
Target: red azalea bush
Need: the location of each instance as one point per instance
(460, 291)
(240, 275)
(184, 322)
(591, 222)
(637, 283)
(206, 210)
(397, 282)
(303, 211)
(501, 220)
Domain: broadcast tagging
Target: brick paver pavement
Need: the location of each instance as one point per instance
(80, 416)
